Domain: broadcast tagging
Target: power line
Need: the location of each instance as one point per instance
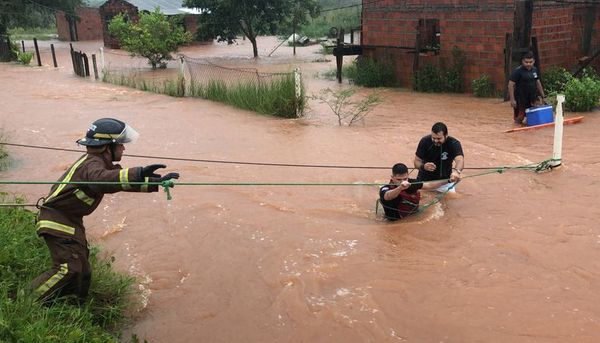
(51, 8)
(266, 164)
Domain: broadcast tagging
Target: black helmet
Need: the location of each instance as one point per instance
(108, 131)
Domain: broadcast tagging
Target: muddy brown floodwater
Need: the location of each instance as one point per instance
(512, 257)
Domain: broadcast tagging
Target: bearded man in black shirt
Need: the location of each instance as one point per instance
(439, 157)
(524, 88)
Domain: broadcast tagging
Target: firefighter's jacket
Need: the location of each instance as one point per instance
(63, 210)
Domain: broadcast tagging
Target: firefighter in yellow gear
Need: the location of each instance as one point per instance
(60, 220)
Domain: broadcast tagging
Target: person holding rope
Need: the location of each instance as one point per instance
(60, 220)
(439, 157)
(401, 197)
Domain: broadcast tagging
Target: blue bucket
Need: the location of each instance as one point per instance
(539, 115)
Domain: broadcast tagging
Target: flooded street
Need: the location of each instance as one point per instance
(512, 257)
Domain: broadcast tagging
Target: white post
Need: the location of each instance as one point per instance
(558, 132)
(181, 66)
(298, 87)
(102, 60)
(182, 74)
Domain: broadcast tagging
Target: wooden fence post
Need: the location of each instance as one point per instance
(37, 52)
(95, 66)
(53, 56)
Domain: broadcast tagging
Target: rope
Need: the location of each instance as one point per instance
(267, 164)
(544, 165)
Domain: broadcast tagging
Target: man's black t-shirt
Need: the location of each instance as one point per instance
(403, 205)
(442, 156)
(525, 85)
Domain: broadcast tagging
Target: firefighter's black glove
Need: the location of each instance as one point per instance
(169, 177)
(149, 171)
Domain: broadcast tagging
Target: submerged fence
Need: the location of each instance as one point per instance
(6, 53)
(277, 94)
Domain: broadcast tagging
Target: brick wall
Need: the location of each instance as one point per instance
(553, 26)
(478, 28)
(110, 9)
(89, 26)
(579, 15)
(191, 24)
(62, 26)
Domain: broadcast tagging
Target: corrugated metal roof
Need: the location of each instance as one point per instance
(93, 3)
(168, 7)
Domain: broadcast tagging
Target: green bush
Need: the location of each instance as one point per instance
(453, 80)
(591, 73)
(555, 79)
(483, 87)
(433, 79)
(428, 79)
(369, 73)
(582, 94)
(22, 257)
(153, 36)
(25, 57)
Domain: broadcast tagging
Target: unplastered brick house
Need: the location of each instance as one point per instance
(91, 21)
(493, 34)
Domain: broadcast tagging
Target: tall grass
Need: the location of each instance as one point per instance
(171, 87)
(346, 18)
(22, 257)
(271, 97)
(41, 33)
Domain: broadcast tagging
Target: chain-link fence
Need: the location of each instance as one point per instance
(121, 68)
(278, 94)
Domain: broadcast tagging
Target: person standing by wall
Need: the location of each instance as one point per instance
(525, 88)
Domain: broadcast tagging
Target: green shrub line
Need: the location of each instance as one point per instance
(272, 97)
(23, 256)
(169, 87)
(582, 93)
(368, 72)
(483, 87)
(442, 79)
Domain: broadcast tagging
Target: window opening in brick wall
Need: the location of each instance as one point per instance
(429, 30)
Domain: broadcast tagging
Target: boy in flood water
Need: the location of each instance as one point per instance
(400, 198)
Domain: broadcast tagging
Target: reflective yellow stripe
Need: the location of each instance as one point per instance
(124, 179)
(67, 178)
(55, 226)
(83, 197)
(144, 187)
(107, 135)
(53, 280)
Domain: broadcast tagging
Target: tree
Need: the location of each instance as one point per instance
(23, 12)
(224, 18)
(153, 36)
(347, 110)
